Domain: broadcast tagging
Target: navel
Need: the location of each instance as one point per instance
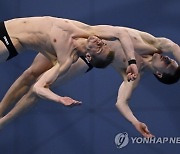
(54, 40)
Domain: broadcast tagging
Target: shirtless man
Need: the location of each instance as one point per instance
(62, 42)
(145, 45)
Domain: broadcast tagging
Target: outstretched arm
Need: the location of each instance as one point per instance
(41, 87)
(121, 34)
(124, 94)
(106, 32)
(30, 99)
(111, 33)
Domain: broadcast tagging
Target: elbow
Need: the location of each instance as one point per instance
(118, 104)
(38, 89)
(121, 103)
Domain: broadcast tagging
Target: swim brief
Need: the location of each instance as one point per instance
(4, 37)
(87, 62)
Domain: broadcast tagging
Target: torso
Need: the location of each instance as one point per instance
(38, 33)
(30, 33)
(41, 33)
(144, 43)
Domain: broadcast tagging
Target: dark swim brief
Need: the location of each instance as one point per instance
(87, 62)
(4, 37)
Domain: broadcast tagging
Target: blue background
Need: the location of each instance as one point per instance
(50, 128)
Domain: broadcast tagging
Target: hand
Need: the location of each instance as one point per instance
(143, 129)
(67, 101)
(132, 72)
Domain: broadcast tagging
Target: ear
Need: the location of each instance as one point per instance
(159, 74)
(88, 57)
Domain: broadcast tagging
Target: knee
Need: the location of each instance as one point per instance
(30, 75)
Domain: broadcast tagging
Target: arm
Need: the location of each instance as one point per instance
(24, 82)
(110, 33)
(124, 94)
(106, 32)
(41, 87)
(29, 99)
(166, 45)
(128, 48)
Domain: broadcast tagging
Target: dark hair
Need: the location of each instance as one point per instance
(168, 78)
(99, 63)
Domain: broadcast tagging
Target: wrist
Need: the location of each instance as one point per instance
(59, 99)
(134, 122)
(131, 61)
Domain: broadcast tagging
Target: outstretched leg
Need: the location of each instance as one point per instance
(29, 99)
(24, 82)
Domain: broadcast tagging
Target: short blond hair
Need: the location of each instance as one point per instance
(99, 63)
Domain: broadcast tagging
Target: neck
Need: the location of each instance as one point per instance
(80, 46)
(148, 62)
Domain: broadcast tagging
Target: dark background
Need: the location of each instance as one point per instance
(50, 128)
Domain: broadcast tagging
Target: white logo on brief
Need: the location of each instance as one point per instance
(5, 39)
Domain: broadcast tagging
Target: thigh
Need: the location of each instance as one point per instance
(4, 53)
(40, 65)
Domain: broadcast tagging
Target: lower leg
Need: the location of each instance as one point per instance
(24, 103)
(24, 82)
(16, 91)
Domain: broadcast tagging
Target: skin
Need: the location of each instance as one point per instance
(140, 42)
(144, 44)
(126, 88)
(79, 68)
(61, 41)
(164, 64)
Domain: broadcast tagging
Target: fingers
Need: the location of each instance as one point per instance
(76, 103)
(147, 133)
(72, 103)
(131, 77)
(67, 101)
(143, 129)
(132, 72)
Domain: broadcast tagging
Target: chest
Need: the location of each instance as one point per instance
(120, 58)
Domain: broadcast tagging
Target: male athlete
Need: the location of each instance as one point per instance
(62, 41)
(148, 55)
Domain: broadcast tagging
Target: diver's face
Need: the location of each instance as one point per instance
(164, 64)
(97, 48)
